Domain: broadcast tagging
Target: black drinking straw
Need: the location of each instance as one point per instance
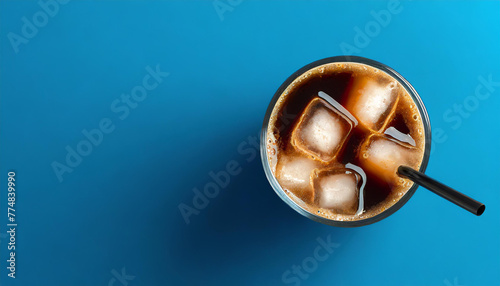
(446, 192)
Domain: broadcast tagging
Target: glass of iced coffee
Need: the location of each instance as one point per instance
(334, 135)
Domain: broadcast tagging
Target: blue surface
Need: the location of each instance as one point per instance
(118, 210)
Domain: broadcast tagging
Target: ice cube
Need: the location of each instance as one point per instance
(381, 156)
(371, 102)
(294, 173)
(337, 190)
(321, 131)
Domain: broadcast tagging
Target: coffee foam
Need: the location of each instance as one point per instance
(405, 109)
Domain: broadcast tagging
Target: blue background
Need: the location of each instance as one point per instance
(119, 208)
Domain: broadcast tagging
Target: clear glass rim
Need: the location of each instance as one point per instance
(344, 59)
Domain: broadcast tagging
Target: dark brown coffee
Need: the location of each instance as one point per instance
(336, 136)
